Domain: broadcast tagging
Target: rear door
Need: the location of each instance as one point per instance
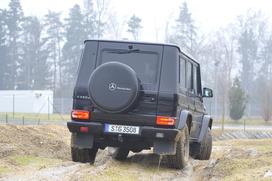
(145, 60)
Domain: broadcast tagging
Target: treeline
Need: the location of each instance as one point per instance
(44, 53)
(241, 51)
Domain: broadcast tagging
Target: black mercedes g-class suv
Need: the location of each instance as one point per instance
(134, 96)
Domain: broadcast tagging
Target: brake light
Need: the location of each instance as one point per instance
(80, 114)
(166, 121)
(84, 129)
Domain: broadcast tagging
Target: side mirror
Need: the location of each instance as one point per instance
(207, 92)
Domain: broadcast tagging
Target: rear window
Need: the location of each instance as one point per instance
(144, 63)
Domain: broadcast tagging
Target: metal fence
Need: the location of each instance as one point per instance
(62, 105)
(33, 108)
(29, 120)
(46, 106)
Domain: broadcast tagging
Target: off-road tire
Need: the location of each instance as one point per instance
(119, 153)
(205, 147)
(83, 155)
(181, 158)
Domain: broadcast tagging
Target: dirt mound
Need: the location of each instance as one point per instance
(45, 141)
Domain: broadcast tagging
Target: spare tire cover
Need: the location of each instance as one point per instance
(113, 87)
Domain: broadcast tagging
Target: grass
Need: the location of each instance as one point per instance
(245, 169)
(239, 164)
(39, 162)
(4, 169)
(21, 162)
(33, 117)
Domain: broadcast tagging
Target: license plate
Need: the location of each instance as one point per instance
(112, 128)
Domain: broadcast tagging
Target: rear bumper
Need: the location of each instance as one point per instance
(149, 132)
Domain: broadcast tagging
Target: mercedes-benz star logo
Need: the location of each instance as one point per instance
(112, 86)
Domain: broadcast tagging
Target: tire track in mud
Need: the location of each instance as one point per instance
(138, 163)
(56, 173)
(145, 166)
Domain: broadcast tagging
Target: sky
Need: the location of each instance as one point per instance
(209, 15)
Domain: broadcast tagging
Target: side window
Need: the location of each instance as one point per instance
(182, 75)
(195, 81)
(189, 80)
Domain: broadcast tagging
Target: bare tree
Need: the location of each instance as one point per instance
(226, 39)
(115, 25)
(166, 29)
(101, 10)
(217, 54)
(265, 78)
(156, 31)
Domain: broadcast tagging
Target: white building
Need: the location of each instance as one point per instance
(30, 101)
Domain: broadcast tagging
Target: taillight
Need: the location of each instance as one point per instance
(165, 121)
(80, 114)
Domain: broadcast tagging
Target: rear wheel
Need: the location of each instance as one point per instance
(119, 153)
(83, 155)
(180, 159)
(205, 149)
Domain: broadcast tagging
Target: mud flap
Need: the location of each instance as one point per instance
(194, 148)
(162, 147)
(82, 141)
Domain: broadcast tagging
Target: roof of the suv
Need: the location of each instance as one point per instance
(149, 43)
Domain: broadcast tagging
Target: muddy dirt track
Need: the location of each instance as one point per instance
(43, 153)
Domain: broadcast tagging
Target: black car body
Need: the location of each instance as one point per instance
(135, 96)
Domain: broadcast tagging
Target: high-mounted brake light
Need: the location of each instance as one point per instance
(165, 121)
(80, 114)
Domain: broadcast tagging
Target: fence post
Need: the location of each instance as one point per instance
(39, 121)
(223, 124)
(48, 107)
(23, 120)
(13, 105)
(6, 118)
(62, 105)
(244, 125)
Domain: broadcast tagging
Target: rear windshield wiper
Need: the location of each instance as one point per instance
(125, 51)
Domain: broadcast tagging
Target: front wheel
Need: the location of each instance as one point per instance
(181, 158)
